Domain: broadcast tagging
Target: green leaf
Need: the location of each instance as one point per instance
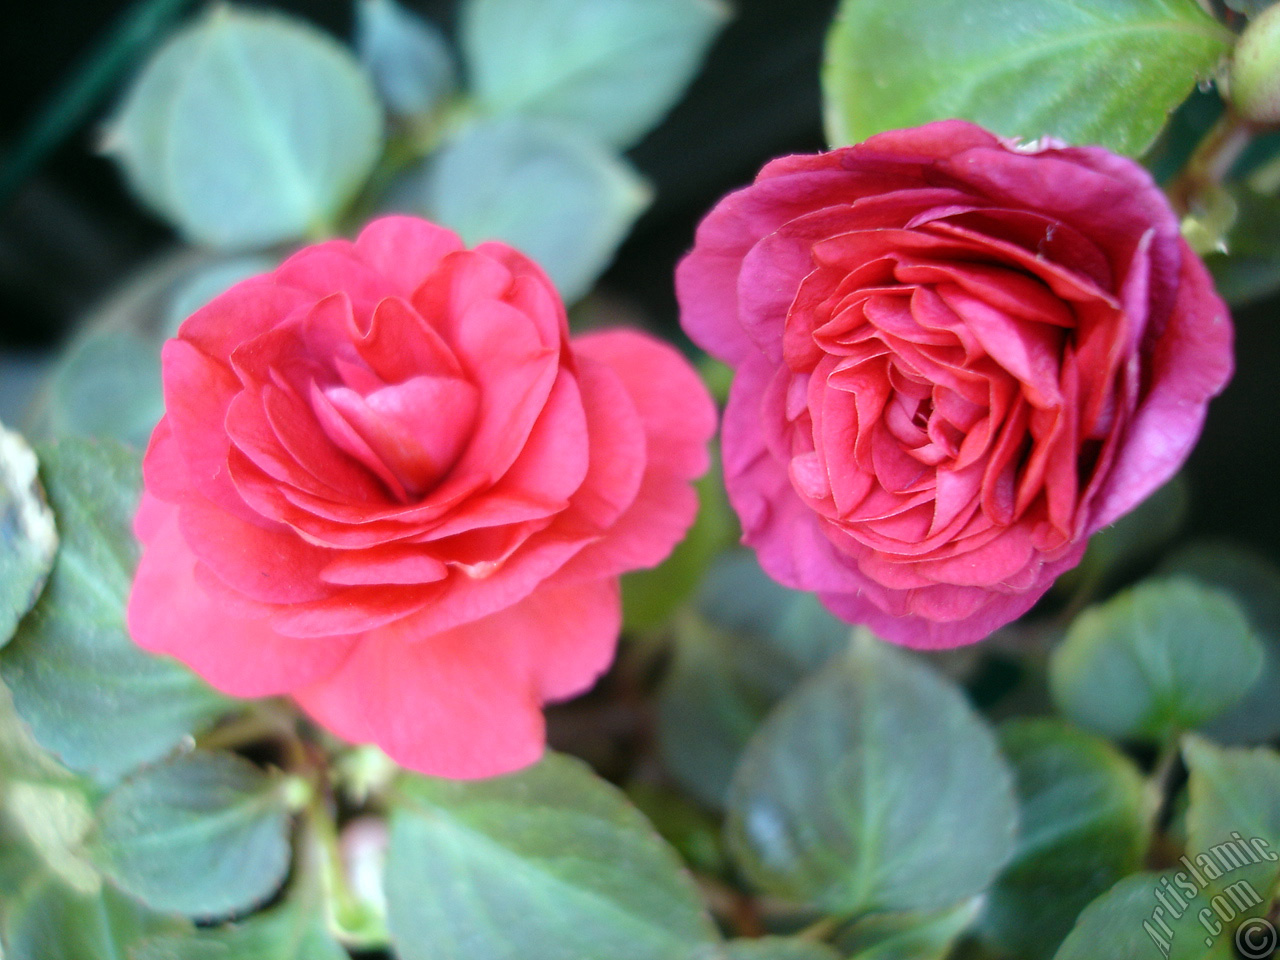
(787, 633)
(99, 702)
(556, 197)
(53, 820)
(768, 948)
(1249, 268)
(1255, 583)
(1086, 71)
(707, 712)
(907, 936)
(754, 641)
(873, 786)
(45, 813)
(611, 67)
(294, 931)
(248, 129)
(107, 385)
(1233, 821)
(28, 537)
(548, 863)
(407, 57)
(204, 835)
(1162, 657)
(54, 922)
(691, 830)
(1083, 826)
(1140, 919)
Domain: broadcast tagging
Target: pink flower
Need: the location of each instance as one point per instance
(389, 485)
(956, 358)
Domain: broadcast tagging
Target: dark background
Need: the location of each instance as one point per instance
(72, 232)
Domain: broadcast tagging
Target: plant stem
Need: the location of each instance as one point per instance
(1212, 160)
(1161, 780)
(264, 721)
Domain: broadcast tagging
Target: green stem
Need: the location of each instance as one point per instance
(263, 721)
(350, 918)
(1160, 781)
(1211, 162)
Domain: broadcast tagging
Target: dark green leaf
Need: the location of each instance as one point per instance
(1089, 71)
(1249, 268)
(548, 863)
(54, 922)
(611, 67)
(1255, 584)
(1140, 533)
(204, 835)
(28, 537)
(249, 128)
(787, 633)
(873, 786)
(754, 641)
(1083, 826)
(1233, 821)
(1165, 656)
(556, 197)
(407, 57)
(707, 711)
(99, 702)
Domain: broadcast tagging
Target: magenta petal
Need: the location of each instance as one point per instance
(1191, 362)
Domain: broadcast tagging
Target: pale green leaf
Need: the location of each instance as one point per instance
(611, 67)
(248, 128)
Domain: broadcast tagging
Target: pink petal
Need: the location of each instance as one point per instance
(169, 613)
(460, 704)
(1191, 362)
(678, 419)
(404, 250)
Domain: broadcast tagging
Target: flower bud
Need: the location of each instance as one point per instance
(1254, 84)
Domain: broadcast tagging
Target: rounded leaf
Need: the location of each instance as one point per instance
(1164, 656)
(89, 694)
(612, 67)
(873, 786)
(407, 57)
(204, 835)
(248, 129)
(544, 864)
